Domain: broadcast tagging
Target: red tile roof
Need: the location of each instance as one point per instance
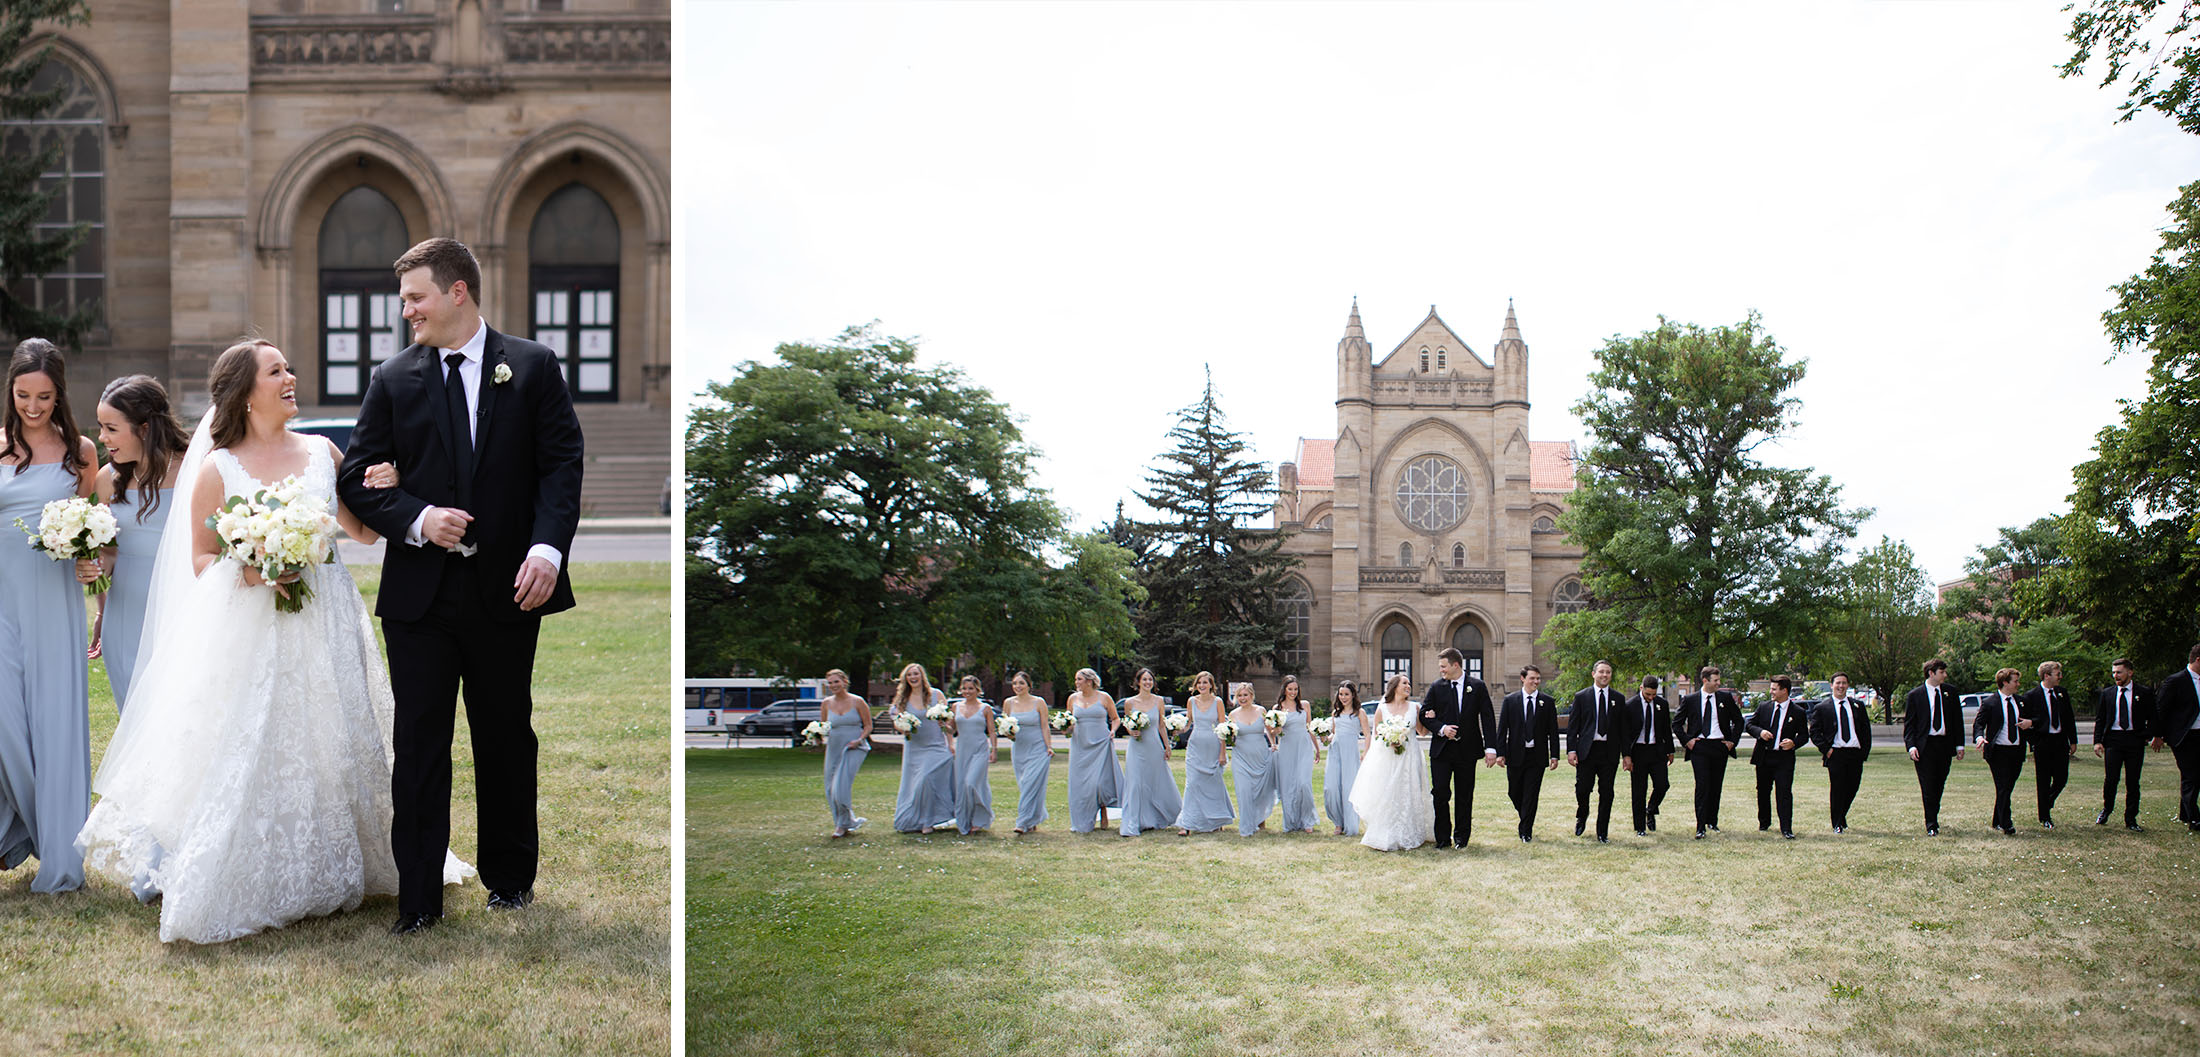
(1550, 466)
(1317, 463)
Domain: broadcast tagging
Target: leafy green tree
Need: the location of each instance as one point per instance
(1883, 632)
(26, 251)
(1695, 550)
(849, 508)
(1212, 577)
(2085, 665)
(1016, 611)
(1976, 617)
(2118, 32)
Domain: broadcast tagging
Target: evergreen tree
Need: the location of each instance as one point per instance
(25, 251)
(1212, 576)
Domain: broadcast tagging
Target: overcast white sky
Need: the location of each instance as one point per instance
(1080, 205)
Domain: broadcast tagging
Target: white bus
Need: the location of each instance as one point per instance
(709, 701)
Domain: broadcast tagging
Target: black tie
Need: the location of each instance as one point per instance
(1600, 712)
(2009, 717)
(1649, 722)
(462, 433)
(2123, 709)
(1844, 712)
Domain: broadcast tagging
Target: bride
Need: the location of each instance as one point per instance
(1392, 790)
(251, 788)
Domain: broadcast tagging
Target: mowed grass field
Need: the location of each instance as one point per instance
(586, 970)
(2080, 940)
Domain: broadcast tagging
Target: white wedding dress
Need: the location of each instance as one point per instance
(1392, 795)
(249, 785)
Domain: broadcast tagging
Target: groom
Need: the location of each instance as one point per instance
(488, 455)
(1455, 711)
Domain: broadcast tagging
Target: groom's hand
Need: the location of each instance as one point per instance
(534, 583)
(1449, 731)
(444, 526)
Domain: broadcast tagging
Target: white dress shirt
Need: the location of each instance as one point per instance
(469, 372)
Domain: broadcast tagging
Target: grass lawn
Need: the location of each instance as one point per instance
(2080, 940)
(586, 970)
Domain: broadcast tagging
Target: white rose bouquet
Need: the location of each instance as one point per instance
(1227, 731)
(1176, 722)
(1322, 727)
(1062, 721)
(1396, 733)
(906, 722)
(71, 530)
(1136, 720)
(1006, 726)
(1272, 719)
(938, 713)
(815, 733)
(279, 531)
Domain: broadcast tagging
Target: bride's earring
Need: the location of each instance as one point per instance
(248, 407)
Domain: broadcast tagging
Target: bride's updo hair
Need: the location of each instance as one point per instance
(230, 384)
(143, 403)
(1390, 689)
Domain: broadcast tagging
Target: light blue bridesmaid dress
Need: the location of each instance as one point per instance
(135, 545)
(843, 756)
(973, 772)
(927, 796)
(1343, 769)
(1206, 797)
(1150, 800)
(44, 712)
(1032, 764)
(1295, 772)
(1253, 769)
(1095, 778)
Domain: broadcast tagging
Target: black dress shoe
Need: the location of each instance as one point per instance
(407, 924)
(1714, 826)
(1787, 834)
(2102, 818)
(2010, 830)
(1642, 833)
(2135, 827)
(1840, 829)
(1699, 833)
(1579, 825)
(1763, 826)
(1653, 823)
(1604, 840)
(1932, 831)
(511, 900)
(2047, 823)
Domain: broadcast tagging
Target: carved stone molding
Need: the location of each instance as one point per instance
(319, 44)
(589, 40)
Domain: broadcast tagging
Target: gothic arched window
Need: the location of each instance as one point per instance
(74, 129)
(1545, 526)
(1458, 555)
(1397, 647)
(1405, 554)
(1439, 359)
(361, 319)
(1432, 494)
(1468, 641)
(1298, 616)
(573, 273)
(1424, 361)
(1569, 598)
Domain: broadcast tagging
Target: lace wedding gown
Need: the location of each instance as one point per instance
(249, 782)
(1391, 794)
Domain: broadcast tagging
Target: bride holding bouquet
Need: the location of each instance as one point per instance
(1391, 792)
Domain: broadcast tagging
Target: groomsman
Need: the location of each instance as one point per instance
(1645, 727)
(1527, 740)
(1711, 725)
(1456, 712)
(2122, 714)
(1842, 731)
(2179, 701)
(1593, 749)
(1778, 726)
(1932, 729)
(2002, 730)
(2054, 737)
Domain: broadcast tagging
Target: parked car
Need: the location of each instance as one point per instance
(335, 429)
(782, 718)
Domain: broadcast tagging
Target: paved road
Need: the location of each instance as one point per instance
(587, 547)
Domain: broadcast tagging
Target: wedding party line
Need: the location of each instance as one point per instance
(268, 765)
(1379, 786)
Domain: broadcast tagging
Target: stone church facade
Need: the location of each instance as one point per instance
(1428, 520)
(253, 167)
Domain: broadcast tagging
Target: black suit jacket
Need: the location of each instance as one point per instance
(1917, 719)
(525, 488)
(1629, 724)
(1581, 719)
(2041, 704)
(1514, 730)
(1991, 717)
(1440, 708)
(1825, 726)
(2142, 711)
(1690, 718)
(2176, 706)
(1795, 728)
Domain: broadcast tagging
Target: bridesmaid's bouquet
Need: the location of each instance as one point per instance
(1006, 726)
(938, 713)
(1136, 720)
(1396, 733)
(279, 531)
(906, 723)
(1273, 720)
(1322, 728)
(1061, 721)
(1227, 731)
(815, 733)
(71, 530)
(1176, 722)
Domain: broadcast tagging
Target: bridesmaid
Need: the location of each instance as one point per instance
(1206, 797)
(1253, 765)
(1346, 750)
(1094, 776)
(1150, 800)
(977, 745)
(45, 717)
(1295, 761)
(927, 798)
(1032, 754)
(847, 745)
(145, 446)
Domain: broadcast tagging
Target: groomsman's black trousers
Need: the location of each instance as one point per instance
(1775, 781)
(2007, 764)
(1599, 766)
(1650, 770)
(2050, 772)
(2125, 754)
(1844, 772)
(2188, 779)
(1934, 757)
(1524, 780)
(456, 643)
(1709, 761)
(1452, 775)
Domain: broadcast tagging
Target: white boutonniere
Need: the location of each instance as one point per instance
(502, 374)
